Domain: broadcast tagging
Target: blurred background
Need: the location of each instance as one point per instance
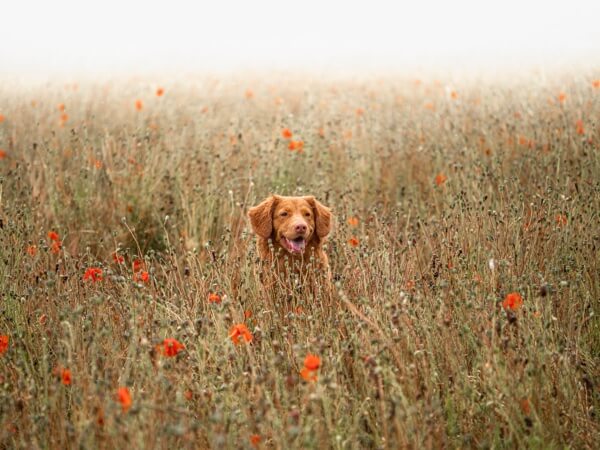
(42, 38)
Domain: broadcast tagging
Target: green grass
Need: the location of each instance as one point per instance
(416, 348)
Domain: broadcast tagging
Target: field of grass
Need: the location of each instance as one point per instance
(448, 196)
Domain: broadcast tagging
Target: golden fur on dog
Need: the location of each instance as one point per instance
(291, 232)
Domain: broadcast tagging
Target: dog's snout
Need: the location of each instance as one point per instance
(300, 227)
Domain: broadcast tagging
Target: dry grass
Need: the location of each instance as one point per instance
(416, 348)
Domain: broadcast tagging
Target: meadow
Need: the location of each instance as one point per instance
(465, 305)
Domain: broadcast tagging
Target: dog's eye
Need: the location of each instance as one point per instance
(283, 214)
(307, 214)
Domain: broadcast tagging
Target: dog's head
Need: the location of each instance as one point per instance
(293, 222)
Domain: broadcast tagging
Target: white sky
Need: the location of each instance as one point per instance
(65, 36)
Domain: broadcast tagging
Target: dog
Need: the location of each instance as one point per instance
(291, 232)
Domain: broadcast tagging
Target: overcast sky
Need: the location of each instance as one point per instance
(139, 36)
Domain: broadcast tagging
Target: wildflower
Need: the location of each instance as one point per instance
(296, 145)
(141, 276)
(61, 107)
(353, 221)
(308, 375)
(353, 241)
(429, 105)
(454, 95)
(124, 398)
(188, 394)
(31, 250)
(118, 258)
(159, 92)
(240, 330)
(579, 127)
(3, 154)
(171, 347)
(596, 84)
(513, 301)
(247, 314)
(255, 440)
(562, 97)
(286, 133)
(65, 377)
(523, 141)
(138, 265)
(311, 365)
(440, 179)
(93, 273)
(55, 247)
(53, 236)
(524, 404)
(64, 117)
(249, 94)
(138, 105)
(4, 339)
(561, 220)
(2, 118)
(214, 298)
(360, 111)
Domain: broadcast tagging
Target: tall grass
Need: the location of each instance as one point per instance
(416, 348)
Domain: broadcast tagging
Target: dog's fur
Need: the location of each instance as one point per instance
(291, 232)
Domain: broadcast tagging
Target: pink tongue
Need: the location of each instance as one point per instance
(297, 246)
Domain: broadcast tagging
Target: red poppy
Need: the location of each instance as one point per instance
(240, 330)
(2, 118)
(93, 273)
(359, 111)
(3, 154)
(55, 247)
(124, 398)
(138, 264)
(138, 105)
(579, 127)
(562, 97)
(286, 133)
(513, 301)
(141, 276)
(118, 258)
(353, 241)
(255, 440)
(440, 179)
(353, 221)
(214, 298)
(296, 145)
(247, 314)
(249, 94)
(53, 236)
(308, 375)
(65, 377)
(171, 347)
(4, 339)
(64, 118)
(561, 220)
(312, 362)
(159, 92)
(454, 95)
(596, 84)
(60, 107)
(31, 250)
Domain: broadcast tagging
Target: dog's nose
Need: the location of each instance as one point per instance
(300, 228)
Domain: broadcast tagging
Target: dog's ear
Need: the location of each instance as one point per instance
(261, 217)
(322, 217)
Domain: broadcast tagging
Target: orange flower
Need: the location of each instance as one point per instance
(124, 398)
(247, 314)
(65, 377)
(2, 118)
(562, 97)
(440, 179)
(159, 92)
(596, 84)
(214, 298)
(296, 145)
(93, 273)
(524, 404)
(53, 236)
(430, 106)
(308, 375)
(31, 250)
(55, 247)
(138, 265)
(60, 107)
(138, 105)
(360, 111)
(353, 221)
(64, 117)
(240, 330)
(2, 154)
(353, 241)
(312, 362)
(141, 276)
(513, 301)
(171, 347)
(118, 258)
(561, 220)
(3, 343)
(579, 127)
(249, 94)
(454, 95)
(523, 140)
(286, 133)
(255, 440)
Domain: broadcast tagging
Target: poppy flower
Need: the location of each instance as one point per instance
(286, 133)
(596, 84)
(429, 105)
(93, 273)
(579, 127)
(561, 220)
(61, 107)
(525, 407)
(255, 440)
(353, 241)
(64, 118)
(249, 94)
(308, 375)
(171, 347)
(31, 250)
(454, 95)
(523, 140)
(138, 264)
(3, 154)
(159, 92)
(240, 330)
(141, 276)
(119, 259)
(53, 236)
(296, 145)
(247, 314)
(2, 118)
(513, 301)
(65, 377)
(4, 339)
(312, 362)
(55, 247)
(562, 97)
(353, 221)
(124, 398)
(214, 298)
(440, 179)
(360, 111)
(138, 105)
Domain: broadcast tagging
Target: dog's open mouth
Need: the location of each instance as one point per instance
(295, 245)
